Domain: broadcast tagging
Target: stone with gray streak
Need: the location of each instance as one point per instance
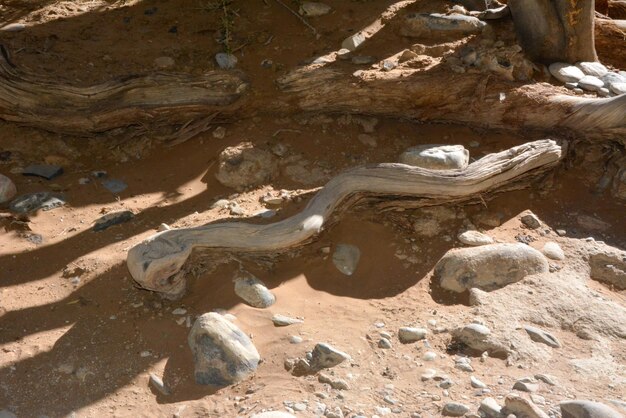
(325, 356)
(425, 24)
(253, 291)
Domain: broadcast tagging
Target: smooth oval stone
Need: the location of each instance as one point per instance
(410, 335)
(541, 336)
(587, 409)
(553, 250)
(592, 68)
(423, 24)
(7, 189)
(283, 321)
(455, 409)
(436, 157)
(346, 258)
(254, 291)
(591, 83)
(475, 238)
(225, 61)
(565, 73)
(618, 88)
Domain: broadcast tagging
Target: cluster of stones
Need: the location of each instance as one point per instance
(590, 77)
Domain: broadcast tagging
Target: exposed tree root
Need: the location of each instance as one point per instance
(156, 263)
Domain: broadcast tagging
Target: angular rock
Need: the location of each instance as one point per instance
(531, 221)
(223, 354)
(474, 238)
(346, 258)
(32, 202)
(283, 321)
(526, 385)
(7, 189)
(253, 291)
(334, 382)
(324, 356)
(541, 336)
(609, 267)
(547, 379)
(111, 219)
(490, 408)
(245, 165)
(408, 335)
(313, 8)
(590, 83)
(477, 383)
(565, 73)
(225, 61)
(352, 42)
(424, 24)
(455, 409)
(46, 171)
(587, 409)
(593, 68)
(521, 407)
(436, 157)
(488, 267)
(494, 14)
(553, 251)
(158, 384)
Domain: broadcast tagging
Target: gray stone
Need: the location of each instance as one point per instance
(324, 356)
(111, 219)
(525, 385)
(283, 321)
(531, 221)
(477, 383)
(455, 409)
(553, 250)
(408, 335)
(591, 83)
(587, 409)
(313, 8)
(490, 408)
(114, 185)
(46, 171)
(618, 88)
(32, 202)
(541, 336)
(445, 384)
(522, 408)
(223, 354)
(334, 382)
(352, 42)
(295, 339)
(609, 267)
(225, 61)
(464, 364)
(593, 68)
(488, 267)
(346, 258)
(253, 291)
(566, 73)
(384, 343)
(273, 414)
(475, 238)
(13, 27)
(424, 24)
(7, 414)
(436, 157)
(547, 379)
(7, 189)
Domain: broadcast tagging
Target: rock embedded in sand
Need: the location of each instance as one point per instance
(474, 238)
(325, 356)
(7, 189)
(314, 8)
(346, 258)
(384, 343)
(436, 157)
(587, 409)
(455, 409)
(253, 291)
(111, 219)
(245, 165)
(477, 383)
(223, 354)
(408, 335)
(531, 221)
(32, 202)
(553, 251)
(225, 61)
(488, 267)
(283, 321)
(425, 24)
(526, 385)
(566, 73)
(541, 336)
(521, 407)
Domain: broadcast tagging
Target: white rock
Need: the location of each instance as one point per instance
(618, 88)
(593, 68)
(313, 8)
(351, 43)
(490, 407)
(587, 409)
(410, 335)
(13, 27)
(591, 83)
(475, 238)
(553, 250)
(476, 383)
(436, 157)
(253, 291)
(7, 189)
(566, 73)
(283, 321)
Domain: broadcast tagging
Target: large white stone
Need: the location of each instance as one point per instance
(436, 157)
(591, 83)
(593, 68)
(618, 88)
(566, 73)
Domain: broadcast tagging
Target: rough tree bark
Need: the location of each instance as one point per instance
(156, 263)
(555, 30)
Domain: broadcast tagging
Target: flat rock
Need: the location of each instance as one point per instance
(490, 408)
(352, 42)
(111, 219)
(436, 157)
(408, 335)
(553, 251)
(7, 189)
(314, 8)
(455, 409)
(590, 83)
(273, 414)
(521, 407)
(587, 409)
(225, 61)
(325, 356)
(488, 267)
(478, 337)
(566, 73)
(593, 68)
(346, 258)
(222, 353)
(618, 88)
(253, 291)
(283, 321)
(32, 202)
(524, 385)
(46, 171)
(114, 185)
(474, 238)
(424, 24)
(541, 336)
(245, 165)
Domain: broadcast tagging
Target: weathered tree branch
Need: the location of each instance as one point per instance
(156, 263)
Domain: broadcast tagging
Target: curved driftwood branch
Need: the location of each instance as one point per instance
(156, 262)
(167, 98)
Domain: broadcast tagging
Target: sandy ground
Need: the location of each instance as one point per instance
(79, 338)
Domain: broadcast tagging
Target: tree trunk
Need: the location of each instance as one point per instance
(555, 30)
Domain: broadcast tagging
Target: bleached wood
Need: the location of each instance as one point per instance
(156, 262)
